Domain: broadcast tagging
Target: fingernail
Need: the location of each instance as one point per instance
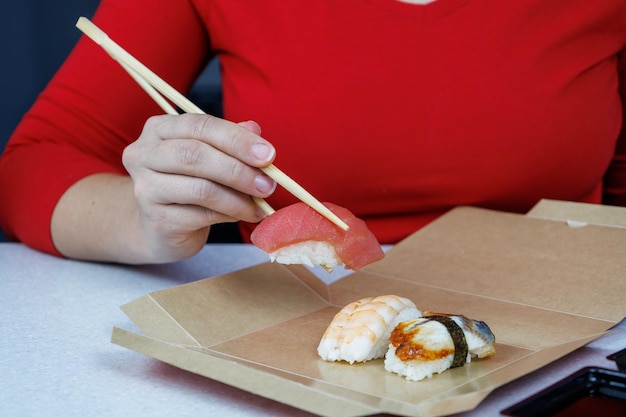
(264, 184)
(252, 126)
(262, 152)
(260, 212)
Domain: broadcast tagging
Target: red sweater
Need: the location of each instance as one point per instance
(396, 111)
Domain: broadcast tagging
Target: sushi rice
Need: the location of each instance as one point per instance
(429, 351)
(309, 253)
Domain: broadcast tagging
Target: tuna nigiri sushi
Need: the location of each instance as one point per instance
(299, 234)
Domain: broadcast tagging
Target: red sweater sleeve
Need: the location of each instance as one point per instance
(78, 126)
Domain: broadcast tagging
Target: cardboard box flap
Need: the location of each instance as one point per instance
(517, 259)
(210, 311)
(250, 378)
(153, 320)
(568, 211)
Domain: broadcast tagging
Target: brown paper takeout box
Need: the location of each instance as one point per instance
(546, 283)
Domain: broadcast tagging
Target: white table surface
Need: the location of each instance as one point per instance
(56, 358)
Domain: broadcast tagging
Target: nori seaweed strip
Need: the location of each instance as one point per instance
(458, 338)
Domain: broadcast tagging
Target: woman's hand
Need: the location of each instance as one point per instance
(187, 173)
(190, 172)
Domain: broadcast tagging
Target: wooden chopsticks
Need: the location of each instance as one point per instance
(157, 88)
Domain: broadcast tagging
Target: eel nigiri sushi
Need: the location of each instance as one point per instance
(421, 347)
(360, 331)
(299, 234)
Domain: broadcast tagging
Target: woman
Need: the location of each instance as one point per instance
(397, 111)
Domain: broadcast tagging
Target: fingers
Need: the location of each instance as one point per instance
(201, 167)
(252, 126)
(204, 147)
(194, 158)
(240, 141)
(206, 202)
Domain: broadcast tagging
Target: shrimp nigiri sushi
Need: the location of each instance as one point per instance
(299, 234)
(360, 331)
(422, 347)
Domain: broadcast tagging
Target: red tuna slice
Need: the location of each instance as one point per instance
(298, 223)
